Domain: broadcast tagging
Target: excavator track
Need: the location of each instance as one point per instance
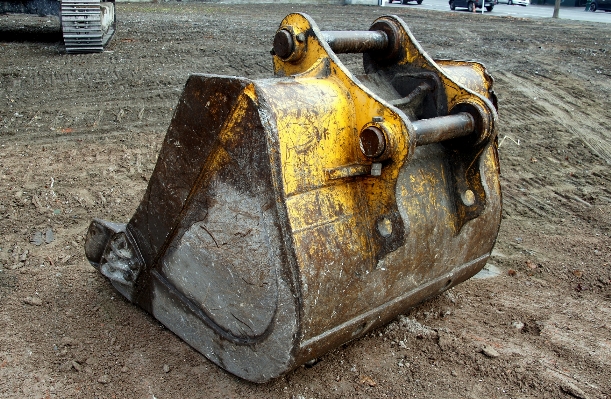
(87, 25)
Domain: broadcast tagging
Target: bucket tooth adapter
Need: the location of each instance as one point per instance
(287, 216)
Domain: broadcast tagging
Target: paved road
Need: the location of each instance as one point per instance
(532, 11)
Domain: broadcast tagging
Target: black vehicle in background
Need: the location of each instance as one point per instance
(604, 5)
(471, 5)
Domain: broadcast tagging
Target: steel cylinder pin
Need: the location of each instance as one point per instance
(356, 41)
(372, 142)
(443, 128)
(283, 44)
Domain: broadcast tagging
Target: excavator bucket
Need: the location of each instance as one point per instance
(287, 216)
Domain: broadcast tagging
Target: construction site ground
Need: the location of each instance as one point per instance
(79, 137)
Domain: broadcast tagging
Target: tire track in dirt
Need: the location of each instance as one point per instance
(560, 108)
(555, 131)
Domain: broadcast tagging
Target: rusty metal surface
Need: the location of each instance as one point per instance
(288, 216)
(442, 128)
(356, 42)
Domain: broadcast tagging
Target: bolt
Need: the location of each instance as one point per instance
(378, 119)
(376, 169)
(283, 44)
(300, 37)
(372, 142)
(468, 198)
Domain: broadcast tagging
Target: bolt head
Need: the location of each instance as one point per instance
(283, 44)
(372, 142)
(376, 169)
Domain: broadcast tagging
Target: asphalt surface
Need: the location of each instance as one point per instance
(531, 11)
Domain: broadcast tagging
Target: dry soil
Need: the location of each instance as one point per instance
(79, 136)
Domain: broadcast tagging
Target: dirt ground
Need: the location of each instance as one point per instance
(79, 136)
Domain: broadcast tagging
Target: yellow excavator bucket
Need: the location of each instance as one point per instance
(287, 216)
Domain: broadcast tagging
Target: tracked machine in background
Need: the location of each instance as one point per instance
(287, 216)
(87, 25)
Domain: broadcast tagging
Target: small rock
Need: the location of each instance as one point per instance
(16, 253)
(33, 301)
(49, 236)
(37, 238)
(445, 341)
(450, 295)
(416, 328)
(365, 379)
(518, 325)
(66, 366)
(311, 362)
(76, 366)
(37, 204)
(166, 368)
(577, 273)
(490, 351)
(67, 341)
(103, 379)
(573, 390)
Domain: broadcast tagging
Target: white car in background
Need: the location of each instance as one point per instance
(518, 2)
